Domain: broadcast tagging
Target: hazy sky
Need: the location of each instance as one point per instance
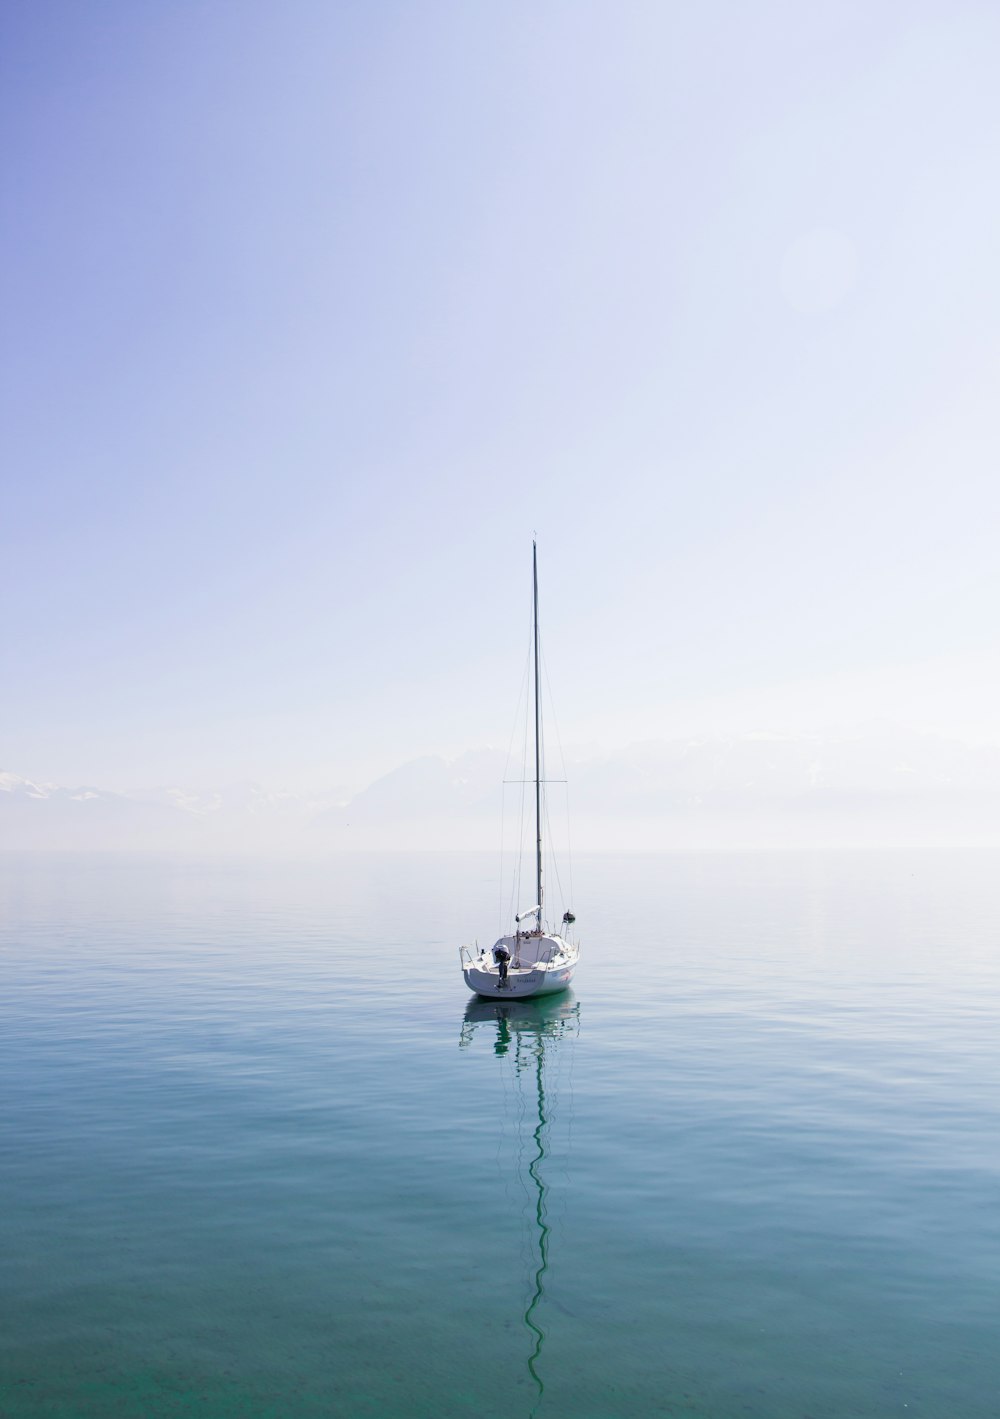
(313, 313)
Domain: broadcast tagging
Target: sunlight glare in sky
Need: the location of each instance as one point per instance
(314, 314)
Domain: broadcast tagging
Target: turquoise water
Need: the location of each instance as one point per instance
(260, 1156)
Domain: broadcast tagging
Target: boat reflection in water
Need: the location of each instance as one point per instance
(522, 1032)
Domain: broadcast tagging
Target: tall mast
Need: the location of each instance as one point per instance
(538, 739)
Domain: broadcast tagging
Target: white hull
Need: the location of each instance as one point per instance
(519, 985)
(540, 965)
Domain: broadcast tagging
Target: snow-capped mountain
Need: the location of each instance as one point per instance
(49, 816)
(232, 818)
(877, 785)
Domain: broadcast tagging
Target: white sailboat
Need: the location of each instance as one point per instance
(532, 960)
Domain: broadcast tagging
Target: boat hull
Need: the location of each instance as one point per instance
(523, 981)
(540, 963)
(518, 985)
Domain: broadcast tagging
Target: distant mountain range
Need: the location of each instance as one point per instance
(242, 816)
(877, 785)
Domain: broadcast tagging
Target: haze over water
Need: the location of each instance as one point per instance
(261, 1157)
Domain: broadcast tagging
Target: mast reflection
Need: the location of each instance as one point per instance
(523, 1030)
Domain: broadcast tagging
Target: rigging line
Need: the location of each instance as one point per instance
(516, 877)
(517, 709)
(516, 871)
(553, 858)
(543, 793)
(516, 905)
(522, 692)
(503, 814)
(569, 854)
(562, 758)
(507, 766)
(539, 889)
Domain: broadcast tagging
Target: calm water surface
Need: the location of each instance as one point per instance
(259, 1156)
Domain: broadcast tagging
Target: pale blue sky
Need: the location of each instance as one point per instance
(314, 312)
